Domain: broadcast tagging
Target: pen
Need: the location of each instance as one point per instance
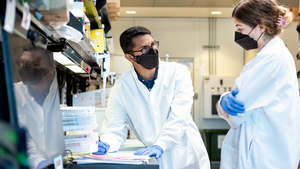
(104, 148)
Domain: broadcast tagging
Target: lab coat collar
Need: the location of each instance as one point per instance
(253, 61)
(276, 39)
(134, 73)
(52, 87)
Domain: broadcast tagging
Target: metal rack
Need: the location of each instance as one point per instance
(82, 54)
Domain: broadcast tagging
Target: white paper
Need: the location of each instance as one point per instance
(26, 16)
(9, 21)
(126, 157)
(76, 8)
(88, 161)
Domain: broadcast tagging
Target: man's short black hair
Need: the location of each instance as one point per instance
(45, 54)
(126, 37)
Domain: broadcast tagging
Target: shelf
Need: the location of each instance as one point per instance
(84, 50)
(82, 54)
(46, 33)
(92, 13)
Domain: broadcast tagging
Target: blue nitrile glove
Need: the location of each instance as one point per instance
(43, 164)
(155, 150)
(102, 148)
(231, 105)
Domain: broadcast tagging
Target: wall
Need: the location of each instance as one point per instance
(290, 37)
(184, 38)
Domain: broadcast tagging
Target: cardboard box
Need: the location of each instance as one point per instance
(52, 10)
(113, 9)
(295, 12)
(113, 4)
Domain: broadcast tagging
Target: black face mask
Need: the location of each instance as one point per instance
(149, 60)
(245, 41)
(31, 76)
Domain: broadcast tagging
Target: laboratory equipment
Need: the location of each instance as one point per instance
(167, 57)
(12, 145)
(96, 98)
(214, 87)
(104, 60)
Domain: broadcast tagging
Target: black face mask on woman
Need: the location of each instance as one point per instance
(245, 41)
(149, 60)
(31, 76)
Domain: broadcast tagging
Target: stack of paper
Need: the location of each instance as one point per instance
(116, 158)
(79, 124)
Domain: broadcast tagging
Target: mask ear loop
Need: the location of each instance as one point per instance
(251, 30)
(135, 58)
(260, 36)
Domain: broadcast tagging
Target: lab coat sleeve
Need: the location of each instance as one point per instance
(257, 89)
(34, 154)
(221, 112)
(177, 123)
(114, 128)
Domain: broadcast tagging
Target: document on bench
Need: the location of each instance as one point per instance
(124, 156)
(116, 158)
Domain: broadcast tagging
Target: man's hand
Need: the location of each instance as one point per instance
(43, 164)
(231, 105)
(155, 150)
(102, 148)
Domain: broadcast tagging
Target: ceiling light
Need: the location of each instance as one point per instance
(131, 12)
(216, 12)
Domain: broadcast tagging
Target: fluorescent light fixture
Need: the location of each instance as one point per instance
(131, 12)
(62, 59)
(216, 12)
(76, 69)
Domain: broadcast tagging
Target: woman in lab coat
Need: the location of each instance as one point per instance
(263, 110)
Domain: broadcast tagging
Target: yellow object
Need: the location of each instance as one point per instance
(87, 30)
(98, 40)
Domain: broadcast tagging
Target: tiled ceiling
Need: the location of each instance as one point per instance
(193, 3)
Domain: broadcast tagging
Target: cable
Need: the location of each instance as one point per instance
(71, 159)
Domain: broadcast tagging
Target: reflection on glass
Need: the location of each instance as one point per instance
(37, 100)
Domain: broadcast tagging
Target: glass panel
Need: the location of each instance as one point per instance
(37, 98)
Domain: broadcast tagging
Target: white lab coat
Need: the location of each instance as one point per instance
(267, 135)
(157, 117)
(45, 139)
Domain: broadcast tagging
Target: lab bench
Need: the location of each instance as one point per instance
(110, 166)
(153, 164)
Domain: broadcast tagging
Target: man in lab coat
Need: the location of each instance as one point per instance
(37, 102)
(155, 99)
